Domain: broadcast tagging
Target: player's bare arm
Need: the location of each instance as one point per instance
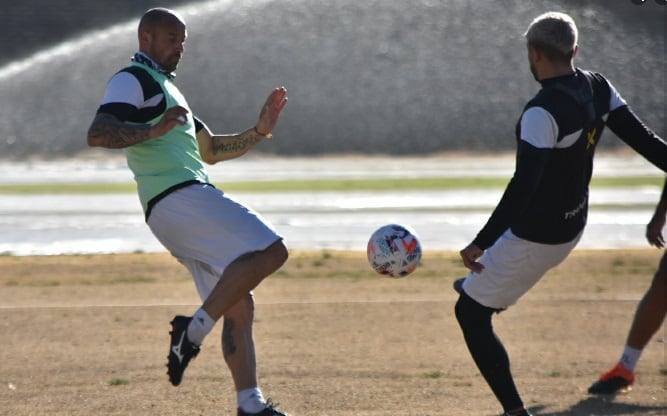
(110, 132)
(219, 147)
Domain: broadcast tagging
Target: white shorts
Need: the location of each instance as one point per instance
(206, 230)
(511, 267)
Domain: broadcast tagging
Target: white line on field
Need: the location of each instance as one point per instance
(314, 303)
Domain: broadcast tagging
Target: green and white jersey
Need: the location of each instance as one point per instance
(141, 93)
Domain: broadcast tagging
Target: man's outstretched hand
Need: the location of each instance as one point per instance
(268, 117)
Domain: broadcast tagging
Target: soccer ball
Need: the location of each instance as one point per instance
(394, 250)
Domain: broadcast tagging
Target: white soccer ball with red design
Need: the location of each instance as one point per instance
(394, 250)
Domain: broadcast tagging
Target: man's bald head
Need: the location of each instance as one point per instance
(157, 17)
(162, 35)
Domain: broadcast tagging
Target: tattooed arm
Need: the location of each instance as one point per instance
(108, 131)
(217, 147)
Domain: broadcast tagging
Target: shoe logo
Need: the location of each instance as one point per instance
(176, 349)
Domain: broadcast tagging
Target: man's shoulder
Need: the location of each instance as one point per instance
(133, 89)
(545, 98)
(594, 76)
(552, 96)
(141, 74)
(149, 86)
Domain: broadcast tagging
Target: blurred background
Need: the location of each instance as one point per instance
(439, 83)
(382, 77)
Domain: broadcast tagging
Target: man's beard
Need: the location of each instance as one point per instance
(534, 72)
(171, 63)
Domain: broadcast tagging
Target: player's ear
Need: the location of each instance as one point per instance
(145, 38)
(575, 50)
(536, 54)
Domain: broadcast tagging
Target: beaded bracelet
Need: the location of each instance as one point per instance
(268, 135)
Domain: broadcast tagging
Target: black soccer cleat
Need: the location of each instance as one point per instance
(269, 411)
(181, 350)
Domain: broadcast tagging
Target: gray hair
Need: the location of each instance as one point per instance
(555, 34)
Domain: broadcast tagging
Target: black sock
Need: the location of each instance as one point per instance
(487, 350)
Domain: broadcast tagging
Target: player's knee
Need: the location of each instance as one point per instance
(242, 313)
(277, 254)
(471, 314)
(271, 258)
(282, 252)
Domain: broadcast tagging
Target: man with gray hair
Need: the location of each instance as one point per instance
(543, 211)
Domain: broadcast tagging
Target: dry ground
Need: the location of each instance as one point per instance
(88, 335)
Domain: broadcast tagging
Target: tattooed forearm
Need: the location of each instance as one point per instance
(107, 131)
(237, 145)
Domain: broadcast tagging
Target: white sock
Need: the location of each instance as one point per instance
(200, 326)
(251, 400)
(630, 357)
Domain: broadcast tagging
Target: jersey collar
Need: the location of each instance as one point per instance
(142, 58)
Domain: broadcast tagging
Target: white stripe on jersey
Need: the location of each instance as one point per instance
(539, 128)
(125, 88)
(569, 140)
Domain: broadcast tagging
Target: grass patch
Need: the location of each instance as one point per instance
(120, 281)
(125, 270)
(68, 188)
(433, 374)
(32, 283)
(40, 281)
(321, 185)
(119, 382)
(623, 265)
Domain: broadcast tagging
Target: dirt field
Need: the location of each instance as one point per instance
(88, 335)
